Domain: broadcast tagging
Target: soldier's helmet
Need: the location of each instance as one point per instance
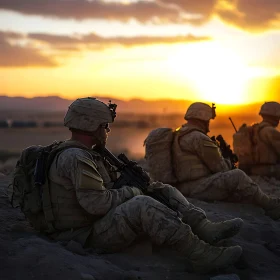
(200, 111)
(270, 109)
(87, 114)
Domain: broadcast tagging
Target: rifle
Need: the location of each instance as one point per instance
(232, 124)
(133, 175)
(226, 150)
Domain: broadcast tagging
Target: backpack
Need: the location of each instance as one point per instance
(30, 190)
(243, 145)
(158, 155)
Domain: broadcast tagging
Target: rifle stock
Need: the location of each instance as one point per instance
(133, 175)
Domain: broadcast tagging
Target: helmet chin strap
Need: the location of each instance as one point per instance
(100, 142)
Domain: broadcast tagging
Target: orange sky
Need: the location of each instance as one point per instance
(209, 50)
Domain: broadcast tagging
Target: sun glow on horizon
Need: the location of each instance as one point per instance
(202, 71)
(216, 73)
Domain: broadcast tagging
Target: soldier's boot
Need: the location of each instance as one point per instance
(203, 257)
(214, 232)
(270, 205)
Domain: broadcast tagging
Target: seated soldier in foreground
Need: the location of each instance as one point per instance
(88, 210)
(199, 169)
(258, 146)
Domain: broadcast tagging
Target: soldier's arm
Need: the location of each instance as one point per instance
(208, 152)
(80, 168)
(271, 136)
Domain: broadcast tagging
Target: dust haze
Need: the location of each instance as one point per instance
(128, 132)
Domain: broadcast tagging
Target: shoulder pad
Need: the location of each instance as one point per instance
(87, 161)
(88, 176)
(208, 143)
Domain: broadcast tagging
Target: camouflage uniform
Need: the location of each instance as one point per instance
(86, 208)
(204, 174)
(266, 149)
(264, 144)
(117, 216)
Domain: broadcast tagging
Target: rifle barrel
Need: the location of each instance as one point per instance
(232, 124)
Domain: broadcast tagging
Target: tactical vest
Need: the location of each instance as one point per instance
(66, 209)
(264, 153)
(187, 166)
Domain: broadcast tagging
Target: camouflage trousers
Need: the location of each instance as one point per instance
(141, 215)
(232, 186)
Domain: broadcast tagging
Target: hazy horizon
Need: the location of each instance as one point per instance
(137, 106)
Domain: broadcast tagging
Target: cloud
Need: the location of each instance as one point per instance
(143, 11)
(20, 56)
(253, 15)
(56, 40)
(256, 15)
(53, 39)
(203, 9)
(19, 50)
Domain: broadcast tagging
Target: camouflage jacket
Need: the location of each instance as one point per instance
(81, 188)
(196, 155)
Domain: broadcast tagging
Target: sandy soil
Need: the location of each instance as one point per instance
(26, 254)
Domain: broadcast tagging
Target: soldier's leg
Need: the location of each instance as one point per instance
(140, 215)
(233, 185)
(178, 202)
(236, 186)
(196, 217)
(244, 189)
(144, 215)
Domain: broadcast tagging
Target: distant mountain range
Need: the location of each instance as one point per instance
(55, 103)
(162, 106)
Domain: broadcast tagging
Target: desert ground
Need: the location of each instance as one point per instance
(26, 254)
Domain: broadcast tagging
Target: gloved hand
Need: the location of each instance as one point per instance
(155, 186)
(136, 191)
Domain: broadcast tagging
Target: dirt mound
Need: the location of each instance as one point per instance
(27, 255)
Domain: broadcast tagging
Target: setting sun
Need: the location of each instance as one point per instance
(215, 73)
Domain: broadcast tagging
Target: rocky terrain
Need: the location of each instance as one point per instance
(26, 254)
